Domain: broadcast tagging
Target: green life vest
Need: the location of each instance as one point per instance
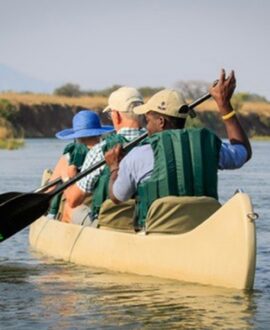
(185, 164)
(77, 153)
(101, 186)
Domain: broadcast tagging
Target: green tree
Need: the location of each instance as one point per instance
(7, 110)
(149, 91)
(69, 89)
(192, 89)
(247, 97)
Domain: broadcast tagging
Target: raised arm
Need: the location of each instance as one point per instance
(222, 93)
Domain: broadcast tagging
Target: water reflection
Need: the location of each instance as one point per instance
(69, 296)
(40, 293)
(171, 305)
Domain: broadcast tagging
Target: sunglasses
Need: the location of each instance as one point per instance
(109, 113)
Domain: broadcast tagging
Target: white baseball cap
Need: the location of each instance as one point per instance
(121, 99)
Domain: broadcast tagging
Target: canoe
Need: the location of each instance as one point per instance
(221, 251)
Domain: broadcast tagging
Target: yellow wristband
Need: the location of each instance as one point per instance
(229, 115)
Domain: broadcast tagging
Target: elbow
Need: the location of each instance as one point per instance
(111, 193)
(72, 203)
(114, 199)
(74, 197)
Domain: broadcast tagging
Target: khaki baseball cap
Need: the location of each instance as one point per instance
(167, 101)
(121, 99)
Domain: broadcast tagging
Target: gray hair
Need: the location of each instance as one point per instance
(129, 113)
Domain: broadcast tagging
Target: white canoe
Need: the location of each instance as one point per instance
(221, 251)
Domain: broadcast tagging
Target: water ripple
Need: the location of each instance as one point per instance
(40, 293)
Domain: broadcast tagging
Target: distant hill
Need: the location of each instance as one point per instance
(13, 80)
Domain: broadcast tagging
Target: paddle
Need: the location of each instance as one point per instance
(10, 195)
(21, 211)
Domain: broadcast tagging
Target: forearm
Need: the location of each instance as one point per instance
(72, 171)
(113, 177)
(61, 166)
(235, 132)
(74, 195)
(222, 92)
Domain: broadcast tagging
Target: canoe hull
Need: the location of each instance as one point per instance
(220, 252)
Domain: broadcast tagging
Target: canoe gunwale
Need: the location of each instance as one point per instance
(222, 250)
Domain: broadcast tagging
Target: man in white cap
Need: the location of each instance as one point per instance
(120, 108)
(173, 160)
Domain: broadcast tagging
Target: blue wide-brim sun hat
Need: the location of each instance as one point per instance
(86, 123)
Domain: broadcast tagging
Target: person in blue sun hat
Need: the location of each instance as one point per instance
(86, 132)
(85, 123)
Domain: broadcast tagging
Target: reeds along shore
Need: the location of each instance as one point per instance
(11, 144)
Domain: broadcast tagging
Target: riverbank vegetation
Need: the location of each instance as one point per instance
(11, 144)
(9, 101)
(41, 115)
(71, 95)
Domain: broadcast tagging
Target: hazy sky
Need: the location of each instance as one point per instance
(137, 42)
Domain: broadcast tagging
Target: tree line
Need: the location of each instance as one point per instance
(191, 90)
(74, 90)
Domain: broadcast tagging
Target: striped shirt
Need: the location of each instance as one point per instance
(95, 155)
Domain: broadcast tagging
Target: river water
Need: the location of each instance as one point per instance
(41, 293)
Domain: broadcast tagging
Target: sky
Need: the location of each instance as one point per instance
(100, 43)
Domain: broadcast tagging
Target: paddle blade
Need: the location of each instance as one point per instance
(7, 196)
(21, 211)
